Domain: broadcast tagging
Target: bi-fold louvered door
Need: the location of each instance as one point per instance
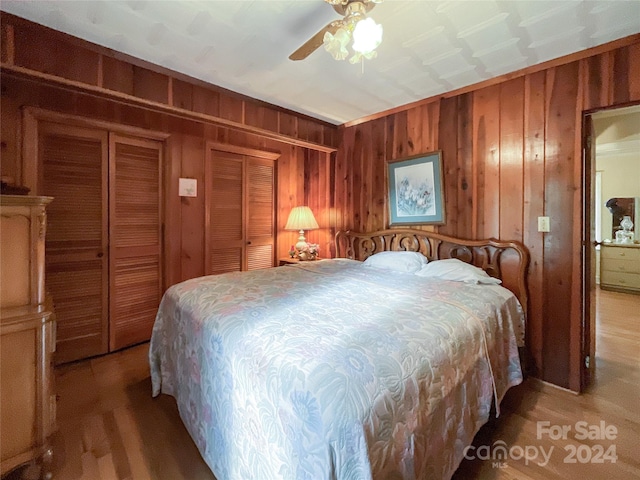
(240, 225)
(135, 274)
(103, 248)
(73, 170)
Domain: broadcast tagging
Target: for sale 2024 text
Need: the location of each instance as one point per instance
(582, 430)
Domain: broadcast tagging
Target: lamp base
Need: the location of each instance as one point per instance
(301, 248)
(302, 242)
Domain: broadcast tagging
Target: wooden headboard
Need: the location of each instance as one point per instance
(506, 260)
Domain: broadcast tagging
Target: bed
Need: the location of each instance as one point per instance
(340, 369)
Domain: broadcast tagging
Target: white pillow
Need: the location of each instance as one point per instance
(456, 270)
(404, 262)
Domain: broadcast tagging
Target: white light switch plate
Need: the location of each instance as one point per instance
(543, 224)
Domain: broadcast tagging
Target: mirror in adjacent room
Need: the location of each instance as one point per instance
(624, 218)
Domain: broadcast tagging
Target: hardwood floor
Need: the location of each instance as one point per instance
(111, 428)
(612, 398)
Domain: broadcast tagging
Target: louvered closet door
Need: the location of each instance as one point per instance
(260, 209)
(73, 169)
(225, 198)
(240, 212)
(135, 231)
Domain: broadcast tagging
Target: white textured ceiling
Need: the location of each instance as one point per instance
(429, 47)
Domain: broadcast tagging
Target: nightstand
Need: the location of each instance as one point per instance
(288, 261)
(292, 261)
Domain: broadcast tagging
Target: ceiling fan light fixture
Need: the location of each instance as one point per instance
(358, 57)
(336, 44)
(355, 28)
(367, 36)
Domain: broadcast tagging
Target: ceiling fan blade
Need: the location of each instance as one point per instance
(315, 42)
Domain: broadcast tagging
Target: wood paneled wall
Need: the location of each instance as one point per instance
(51, 71)
(31, 49)
(512, 152)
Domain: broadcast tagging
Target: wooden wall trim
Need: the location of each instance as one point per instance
(80, 121)
(556, 62)
(9, 20)
(123, 98)
(251, 152)
(32, 115)
(8, 44)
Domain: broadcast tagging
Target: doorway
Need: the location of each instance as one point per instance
(612, 192)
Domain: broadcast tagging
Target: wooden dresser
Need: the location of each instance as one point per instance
(27, 338)
(620, 267)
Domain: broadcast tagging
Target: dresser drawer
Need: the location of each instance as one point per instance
(621, 265)
(620, 279)
(628, 253)
(22, 230)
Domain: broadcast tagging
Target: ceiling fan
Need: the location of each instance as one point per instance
(335, 36)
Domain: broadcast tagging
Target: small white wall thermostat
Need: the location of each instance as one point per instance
(188, 187)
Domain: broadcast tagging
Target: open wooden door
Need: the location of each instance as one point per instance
(589, 256)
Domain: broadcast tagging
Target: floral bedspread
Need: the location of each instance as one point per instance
(334, 370)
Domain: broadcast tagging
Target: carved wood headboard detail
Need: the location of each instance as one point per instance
(506, 260)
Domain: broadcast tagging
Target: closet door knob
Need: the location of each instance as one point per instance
(100, 255)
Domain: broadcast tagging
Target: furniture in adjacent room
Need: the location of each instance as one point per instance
(621, 208)
(27, 338)
(620, 267)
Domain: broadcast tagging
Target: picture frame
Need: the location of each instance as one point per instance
(416, 190)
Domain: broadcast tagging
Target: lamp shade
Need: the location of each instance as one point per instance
(301, 218)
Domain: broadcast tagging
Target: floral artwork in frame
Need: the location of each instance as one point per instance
(416, 194)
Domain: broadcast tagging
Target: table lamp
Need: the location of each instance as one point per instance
(301, 219)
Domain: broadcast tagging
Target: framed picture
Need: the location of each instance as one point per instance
(416, 194)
